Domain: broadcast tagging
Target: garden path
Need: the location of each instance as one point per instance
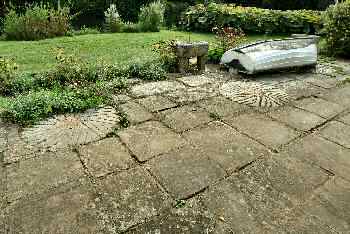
(214, 153)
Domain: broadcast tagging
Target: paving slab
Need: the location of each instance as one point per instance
(154, 88)
(328, 155)
(322, 81)
(334, 196)
(185, 117)
(2, 222)
(2, 186)
(345, 119)
(185, 172)
(105, 156)
(228, 204)
(340, 95)
(37, 175)
(299, 89)
(121, 98)
(225, 145)
(298, 119)
(67, 210)
(337, 132)
(320, 107)
(267, 131)
(193, 217)
(197, 80)
(273, 79)
(274, 209)
(190, 95)
(288, 175)
(156, 103)
(222, 106)
(17, 149)
(150, 139)
(135, 112)
(325, 212)
(131, 198)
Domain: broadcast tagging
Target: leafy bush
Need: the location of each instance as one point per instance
(84, 31)
(251, 19)
(151, 17)
(7, 73)
(167, 54)
(337, 29)
(149, 70)
(113, 22)
(131, 28)
(130, 9)
(38, 22)
(174, 12)
(29, 108)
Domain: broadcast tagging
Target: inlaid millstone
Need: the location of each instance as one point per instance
(254, 94)
(72, 129)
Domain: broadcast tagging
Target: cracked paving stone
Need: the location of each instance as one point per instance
(185, 172)
(198, 80)
(222, 107)
(289, 175)
(192, 94)
(267, 131)
(17, 149)
(273, 209)
(154, 88)
(37, 175)
(131, 198)
(321, 107)
(337, 132)
(296, 118)
(223, 144)
(150, 139)
(345, 119)
(322, 81)
(156, 103)
(325, 211)
(326, 154)
(67, 210)
(334, 196)
(193, 217)
(228, 204)
(121, 98)
(299, 89)
(185, 117)
(339, 95)
(105, 156)
(135, 112)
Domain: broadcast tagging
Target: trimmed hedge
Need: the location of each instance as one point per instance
(251, 19)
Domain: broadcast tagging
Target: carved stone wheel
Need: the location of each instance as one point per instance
(73, 129)
(254, 94)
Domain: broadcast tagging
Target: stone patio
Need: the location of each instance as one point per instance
(211, 153)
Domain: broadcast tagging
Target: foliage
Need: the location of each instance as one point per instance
(167, 53)
(151, 17)
(113, 22)
(148, 70)
(84, 31)
(251, 19)
(130, 9)
(174, 12)
(37, 23)
(32, 107)
(7, 72)
(337, 29)
(227, 38)
(131, 28)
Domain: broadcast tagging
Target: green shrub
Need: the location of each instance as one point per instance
(148, 70)
(113, 23)
(84, 31)
(7, 73)
(251, 19)
(151, 17)
(131, 28)
(337, 29)
(167, 54)
(38, 22)
(29, 108)
(174, 12)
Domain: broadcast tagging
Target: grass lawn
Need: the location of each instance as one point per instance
(113, 48)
